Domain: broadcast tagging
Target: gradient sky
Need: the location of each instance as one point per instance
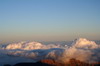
(49, 20)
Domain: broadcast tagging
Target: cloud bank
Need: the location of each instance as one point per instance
(81, 49)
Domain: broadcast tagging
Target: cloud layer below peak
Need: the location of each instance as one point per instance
(81, 49)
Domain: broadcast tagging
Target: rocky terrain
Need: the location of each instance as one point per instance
(50, 62)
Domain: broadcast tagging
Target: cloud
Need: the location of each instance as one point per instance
(81, 49)
(30, 46)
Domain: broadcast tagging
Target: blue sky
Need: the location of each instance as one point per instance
(49, 20)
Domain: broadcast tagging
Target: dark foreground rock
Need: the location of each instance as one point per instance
(32, 64)
(49, 62)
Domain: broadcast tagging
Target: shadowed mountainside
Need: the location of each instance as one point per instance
(49, 62)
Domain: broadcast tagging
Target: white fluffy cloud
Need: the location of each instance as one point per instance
(81, 49)
(84, 43)
(30, 46)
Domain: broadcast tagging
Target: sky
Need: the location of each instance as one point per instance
(49, 20)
